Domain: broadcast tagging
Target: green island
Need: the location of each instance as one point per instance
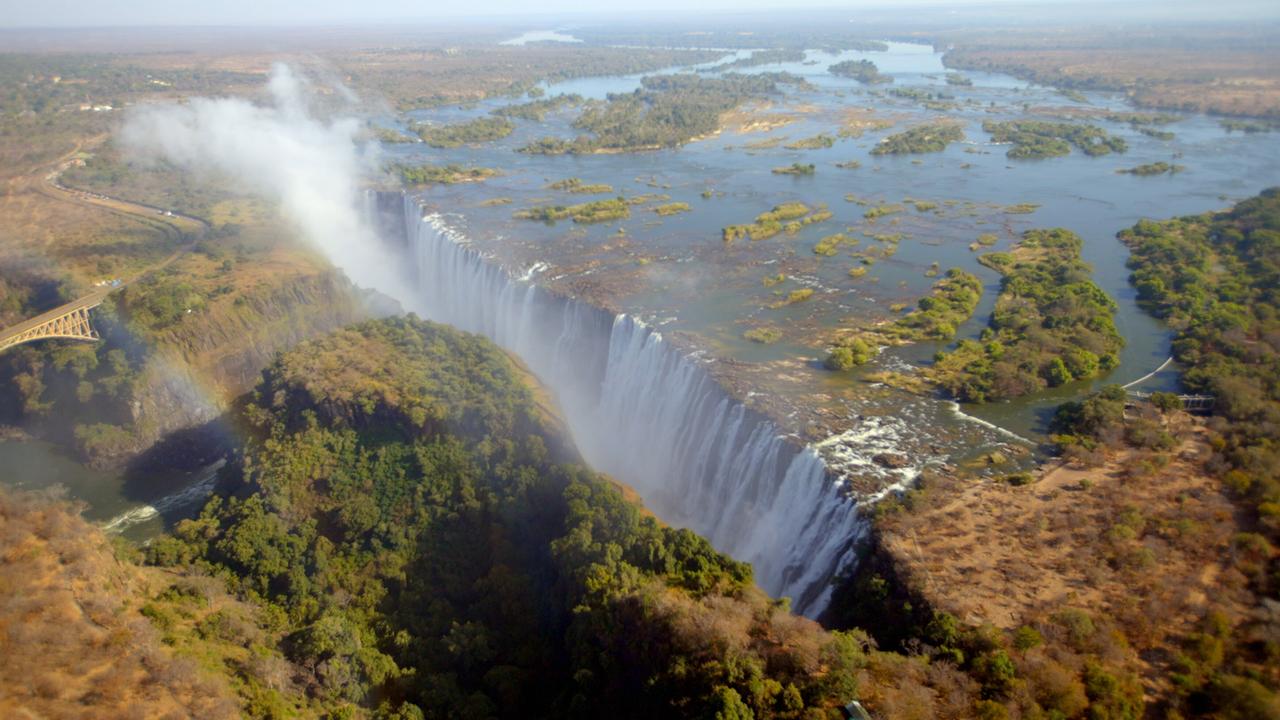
(537, 110)
(391, 136)
(674, 208)
(576, 186)
(1249, 127)
(1051, 325)
(762, 57)
(793, 297)
(849, 165)
(954, 78)
(937, 316)
(1157, 134)
(864, 71)
(763, 335)
(829, 246)
(1156, 168)
(795, 169)
(817, 142)
(789, 217)
(596, 211)
(417, 526)
(451, 174)
(933, 137)
(1033, 139)
(1142, 119)
(472, 132)
(667, 111)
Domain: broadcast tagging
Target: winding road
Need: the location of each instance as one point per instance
(71, 320)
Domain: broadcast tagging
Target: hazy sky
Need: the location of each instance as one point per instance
(45, 13)
(97, 13)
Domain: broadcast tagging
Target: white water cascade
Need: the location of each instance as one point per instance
(643, 412)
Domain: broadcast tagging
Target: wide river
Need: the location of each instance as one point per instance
(677, 273)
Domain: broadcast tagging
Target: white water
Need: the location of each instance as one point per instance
(655, 419)
(198, 490)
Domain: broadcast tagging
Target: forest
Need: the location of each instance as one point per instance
(1215, 278)
(1051, 325)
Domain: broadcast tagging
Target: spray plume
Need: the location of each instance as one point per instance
(282, 151)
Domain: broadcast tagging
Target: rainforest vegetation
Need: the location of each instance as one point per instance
(420, 530)
(1051, 325)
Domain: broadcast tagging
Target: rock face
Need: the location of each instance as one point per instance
(164, 390)
(199, 368)
(892, 461)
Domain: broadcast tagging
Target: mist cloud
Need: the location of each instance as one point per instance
(282, 151)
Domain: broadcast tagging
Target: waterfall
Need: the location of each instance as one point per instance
(651, 416)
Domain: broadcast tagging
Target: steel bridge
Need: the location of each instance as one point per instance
(69, 322)
(1190, 403)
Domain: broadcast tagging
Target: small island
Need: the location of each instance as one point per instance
(864, 71)
(597, 211)
(934, 137)
(1034, 139)
(451, 174)
(1155, 168)
(1051, 325)
(472, 132)
(795, 169)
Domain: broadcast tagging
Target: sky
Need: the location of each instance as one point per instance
(72, 13)
(130, 13)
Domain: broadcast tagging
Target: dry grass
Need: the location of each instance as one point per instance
(1230, 72)
(72, 642)
(1150, 549)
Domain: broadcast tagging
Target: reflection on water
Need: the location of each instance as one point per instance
(534, 36)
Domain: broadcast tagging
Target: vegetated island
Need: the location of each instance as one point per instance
(817, 142)
(537, 110)
(576, 186)
(795, 169)
(471, 132)
(933, 137)
(864, 71)
(666, 111)
(761, 57)
(451, 174)
(588, 213)
(1038, 139)
(937, 316)
(674, 208)
(1051, 325)
(790, 217)
(1156, 168)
